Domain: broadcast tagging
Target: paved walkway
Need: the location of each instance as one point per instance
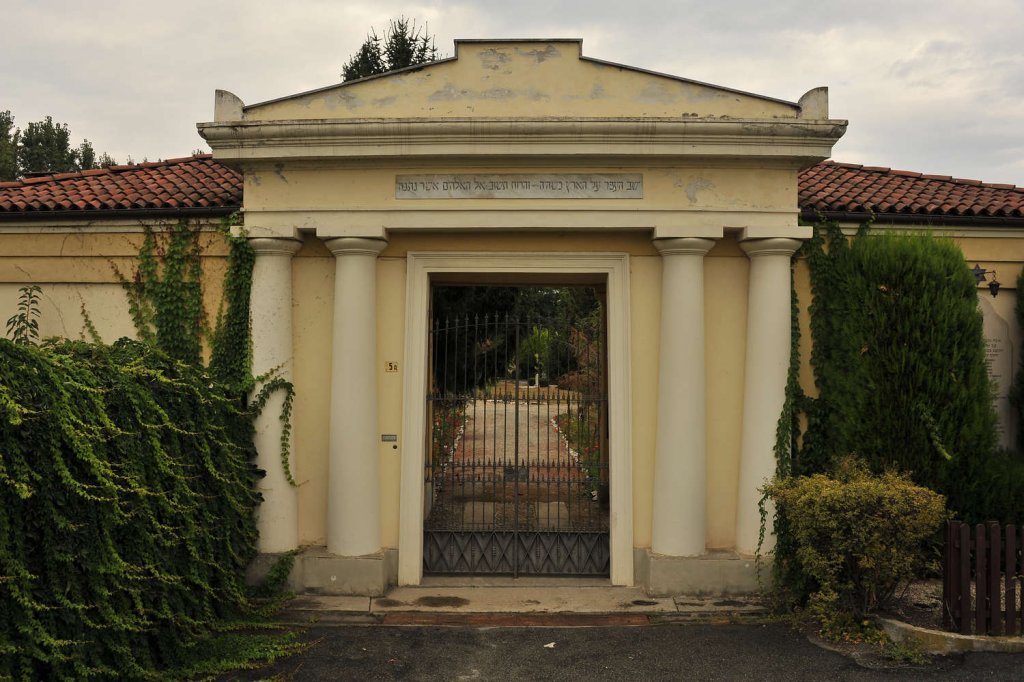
(536, 602)
(490, 436)
(487, 485)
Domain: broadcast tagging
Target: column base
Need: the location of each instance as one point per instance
(317, 571)
(714, 573)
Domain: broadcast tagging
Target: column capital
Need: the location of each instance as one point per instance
(775, 246)
(275, 246)
(683, 246)
(355, 246)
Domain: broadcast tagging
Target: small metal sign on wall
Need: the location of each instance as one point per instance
(517, 473)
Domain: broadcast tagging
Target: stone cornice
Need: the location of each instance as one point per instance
(241, 141)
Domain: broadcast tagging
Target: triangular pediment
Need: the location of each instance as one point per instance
(521, 79)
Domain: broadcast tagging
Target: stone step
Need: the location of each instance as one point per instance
(469, 605)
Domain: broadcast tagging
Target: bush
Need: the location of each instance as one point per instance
(899, 361)
(126, 509)
(858, 537)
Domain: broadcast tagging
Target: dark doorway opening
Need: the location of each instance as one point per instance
(517, 465)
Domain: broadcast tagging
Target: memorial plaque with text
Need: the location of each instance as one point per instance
(521, 186)
(999, 359)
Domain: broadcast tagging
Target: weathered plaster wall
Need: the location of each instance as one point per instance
(358, 199)
(725, 297)
(485, 81)
(726, 272)
(76, 268)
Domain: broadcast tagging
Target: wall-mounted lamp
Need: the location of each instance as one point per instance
(981, 273)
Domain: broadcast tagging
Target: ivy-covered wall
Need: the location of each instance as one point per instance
(126, 508)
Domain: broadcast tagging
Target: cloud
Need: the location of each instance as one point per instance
(935, 87)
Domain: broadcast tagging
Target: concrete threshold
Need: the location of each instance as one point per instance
(532, 602)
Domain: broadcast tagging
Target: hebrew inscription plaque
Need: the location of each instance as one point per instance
(521, 186)
(998, 357)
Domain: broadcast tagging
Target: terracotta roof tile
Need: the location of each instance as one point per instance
(831, 187)
(199, 182)
(193, 182)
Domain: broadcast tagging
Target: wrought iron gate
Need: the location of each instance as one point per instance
(517, 472)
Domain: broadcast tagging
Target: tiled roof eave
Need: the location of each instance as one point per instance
(127, 213)
(938, 220)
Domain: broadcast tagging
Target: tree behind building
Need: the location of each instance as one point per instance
(43, 147)
(404, 44)
(9, 139)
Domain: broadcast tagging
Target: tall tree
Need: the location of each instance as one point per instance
(85, 156)
(404, 44)
(105, 161)
(46, 148)
(10, 136)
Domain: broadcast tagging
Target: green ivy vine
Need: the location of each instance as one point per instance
(165, 298)
(165, 295)
(127, 480)
(126, 509)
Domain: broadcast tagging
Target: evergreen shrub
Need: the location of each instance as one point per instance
(858, 536)
(899, 362)
(126, 509)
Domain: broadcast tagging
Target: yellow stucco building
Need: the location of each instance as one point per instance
(514, 163)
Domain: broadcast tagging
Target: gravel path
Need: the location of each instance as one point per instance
(490, 436)
(486, 487)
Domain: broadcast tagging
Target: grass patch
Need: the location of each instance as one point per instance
(237, 650)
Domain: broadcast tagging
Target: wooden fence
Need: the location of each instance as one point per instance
(982, 578)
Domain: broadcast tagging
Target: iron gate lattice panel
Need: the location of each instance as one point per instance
(517, 478)
(523, 552)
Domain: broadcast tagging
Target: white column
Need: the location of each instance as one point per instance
(764, 383)
(679, 465)
(353, 485)
(271, 310)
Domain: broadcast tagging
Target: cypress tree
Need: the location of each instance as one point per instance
(899, 361)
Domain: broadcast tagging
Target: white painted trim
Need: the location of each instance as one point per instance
(706, 223)
(253, 141)
(420, 266)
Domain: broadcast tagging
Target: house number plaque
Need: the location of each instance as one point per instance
(521, 186)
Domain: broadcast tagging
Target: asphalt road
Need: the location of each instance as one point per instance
(659, 652)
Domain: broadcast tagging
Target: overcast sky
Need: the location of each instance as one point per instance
(934, 86)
